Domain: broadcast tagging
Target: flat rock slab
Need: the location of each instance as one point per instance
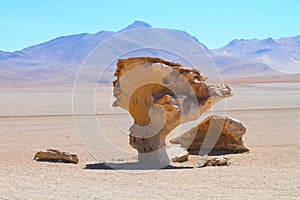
(196, 161)
(53, 155)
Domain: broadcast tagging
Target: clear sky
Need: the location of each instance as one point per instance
(214, 22)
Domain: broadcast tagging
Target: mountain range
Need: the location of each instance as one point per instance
(57, 61)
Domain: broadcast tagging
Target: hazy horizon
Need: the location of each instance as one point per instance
(153, 27)
(213, 23)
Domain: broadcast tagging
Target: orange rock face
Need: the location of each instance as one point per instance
(160, 95)
(54, 155)
(229, 141)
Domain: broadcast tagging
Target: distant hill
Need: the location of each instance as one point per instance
(282, 54)
(56, 62)
(292, 44)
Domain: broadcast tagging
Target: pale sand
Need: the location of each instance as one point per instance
(271, 170)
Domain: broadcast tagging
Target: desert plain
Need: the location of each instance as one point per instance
(39, 118)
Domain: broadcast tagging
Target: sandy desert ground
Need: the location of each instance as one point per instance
(35, 119)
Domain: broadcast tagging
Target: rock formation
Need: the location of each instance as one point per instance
(215, 161)
(229, 141)
(53, 155)
(177, 153)
(160, 95)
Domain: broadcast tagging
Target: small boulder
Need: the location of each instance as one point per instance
(213, 161)
(177, 153)
(53, 155)
(229, 141)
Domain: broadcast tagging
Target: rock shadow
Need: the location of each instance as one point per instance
(130, 166)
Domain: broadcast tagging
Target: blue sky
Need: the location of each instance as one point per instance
(215, 23)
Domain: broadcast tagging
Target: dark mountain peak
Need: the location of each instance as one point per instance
(268, 40)
(254, 41)
(104, 32)
(235, 42)
(136, 25)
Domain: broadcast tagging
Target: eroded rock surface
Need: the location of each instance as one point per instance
(177, 153)
(214, 161)
(54, 155)
(229, 141)
(160, 95)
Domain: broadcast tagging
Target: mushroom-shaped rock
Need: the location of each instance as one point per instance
(160, 95)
